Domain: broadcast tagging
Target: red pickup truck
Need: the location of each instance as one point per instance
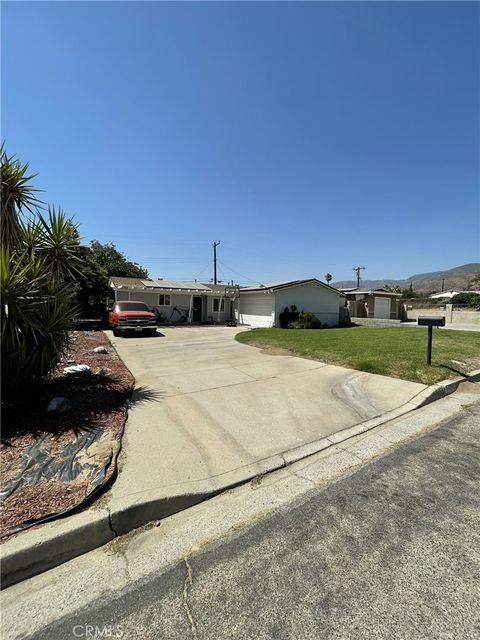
(131, 316)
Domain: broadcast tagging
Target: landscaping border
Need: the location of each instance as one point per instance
(110, 468)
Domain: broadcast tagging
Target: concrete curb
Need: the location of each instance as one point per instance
(446, 387)
(54, 543)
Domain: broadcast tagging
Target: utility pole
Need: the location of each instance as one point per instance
(357, 271)
(443, 283)
(215, 245)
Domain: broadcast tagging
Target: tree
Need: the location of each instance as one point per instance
(328, 278)
(99, 262)
(409, 293)
(468, 298)
(92, 290)
(38, 259)
(394, 289)
(114, 262)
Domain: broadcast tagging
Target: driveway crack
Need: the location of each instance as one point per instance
(186, 586)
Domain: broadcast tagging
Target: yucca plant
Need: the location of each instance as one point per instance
(36, 316)
(47, 338)
(58, 241)
(37, 259)
(18, 195)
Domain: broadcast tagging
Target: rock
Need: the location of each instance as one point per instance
(78, 368)
(104, 372)
(101, 349)
(59, 405)
(70, 361)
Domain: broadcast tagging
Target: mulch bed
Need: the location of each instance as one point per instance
(74, 455)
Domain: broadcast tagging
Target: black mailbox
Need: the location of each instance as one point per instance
(431, 321)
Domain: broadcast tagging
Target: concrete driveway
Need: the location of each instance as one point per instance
(209, 412)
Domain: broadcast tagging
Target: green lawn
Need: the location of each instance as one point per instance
(399, 352)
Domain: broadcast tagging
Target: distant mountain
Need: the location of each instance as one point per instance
(456, 278)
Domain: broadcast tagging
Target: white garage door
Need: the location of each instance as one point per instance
(255, 310)
(382, 308)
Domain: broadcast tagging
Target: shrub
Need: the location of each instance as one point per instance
(288, 316)
(37, 261)
(306, 320)
(472, 299)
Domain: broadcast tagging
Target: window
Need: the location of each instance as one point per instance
(217, 303)
(163, 300)
(131, 306)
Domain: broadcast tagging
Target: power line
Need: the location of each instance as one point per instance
(237, 273)
(223, 276)
(207, 266)
(133, 237)
(180, 260)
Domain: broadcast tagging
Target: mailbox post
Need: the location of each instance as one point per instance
(430, 322)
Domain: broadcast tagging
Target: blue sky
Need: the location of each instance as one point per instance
(306, 137)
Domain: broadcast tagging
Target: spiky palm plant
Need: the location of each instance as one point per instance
(37, 258)
(58, 241)
(18, 195)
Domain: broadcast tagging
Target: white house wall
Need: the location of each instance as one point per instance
(255, 309)
(150, 299)
(323, 302)
(214, 316)
(180, 300)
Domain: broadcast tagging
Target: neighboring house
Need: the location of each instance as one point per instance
(177, 301)
(448, 295)
(373, 303)
(444, 294)
(261, 305)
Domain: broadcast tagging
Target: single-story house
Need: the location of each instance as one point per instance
(177, 301)
(261, 305)
(373, 303)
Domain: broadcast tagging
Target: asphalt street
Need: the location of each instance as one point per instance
(391, 551)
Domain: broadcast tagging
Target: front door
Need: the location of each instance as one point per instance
(197, 309)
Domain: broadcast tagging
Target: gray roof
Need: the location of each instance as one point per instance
(118, 282)
(274, 286)
(217, 288)
(376, 292)
(135, 283)
(180, 285)
(176, 284)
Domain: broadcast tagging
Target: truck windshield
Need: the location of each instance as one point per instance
(132, 306)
